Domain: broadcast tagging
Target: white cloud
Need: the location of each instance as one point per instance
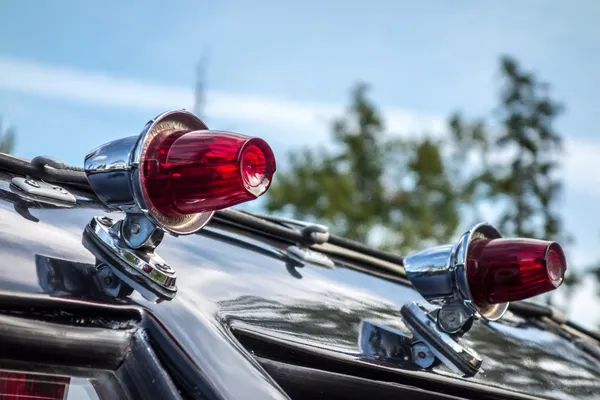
(100, 89)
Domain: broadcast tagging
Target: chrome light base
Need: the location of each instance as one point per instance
(418, 342)
(439, 274)
(458, 358)
(141, 268)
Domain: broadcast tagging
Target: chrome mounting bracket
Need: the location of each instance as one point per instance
(127, 247)
(417, 342)
(397, 345)
(446, 347)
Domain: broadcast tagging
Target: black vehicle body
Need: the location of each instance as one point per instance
(248, 322)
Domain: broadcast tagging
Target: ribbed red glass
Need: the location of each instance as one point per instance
(503, 270)
(19, 385)
(188, 172)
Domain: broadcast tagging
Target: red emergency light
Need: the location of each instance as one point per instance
(503, 270)
(189, 172)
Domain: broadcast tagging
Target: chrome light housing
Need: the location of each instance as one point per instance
(439, 274)
(113, 171)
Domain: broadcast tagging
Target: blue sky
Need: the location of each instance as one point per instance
(75, 74)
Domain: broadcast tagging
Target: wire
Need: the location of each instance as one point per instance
(53, 170)
(528, 309)
(43, 161)
(248, 221)
(333, 239)
(363, 248)
(576, 326)
(45, 171)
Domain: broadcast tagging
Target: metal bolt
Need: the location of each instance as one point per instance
(32, 183)
(450, 320)
(135, 228)
(106, 221)
(108, 280)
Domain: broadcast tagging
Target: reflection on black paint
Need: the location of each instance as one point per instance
(524, 357)
(308, 321)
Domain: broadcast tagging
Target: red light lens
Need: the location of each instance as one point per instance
(503, 270)
(254, 166)
(188, 172)
(18, 385)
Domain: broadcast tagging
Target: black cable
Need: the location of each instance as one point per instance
(71, 176)
(43, 161)
(363, 248)
(527, 309)
(336, 240)
(53, 170)
(16, 165)
(576, 326)
(275, 229)
(259, 225)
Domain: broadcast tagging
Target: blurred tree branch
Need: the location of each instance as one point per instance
(415, 191)
(7, 139)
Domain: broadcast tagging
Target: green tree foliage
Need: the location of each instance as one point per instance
(417, 190)
(7, 139)
(344, 189)
(529, 147)
(371, 180)
(426, 210)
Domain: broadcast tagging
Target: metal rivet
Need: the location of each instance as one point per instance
(32, 183)
(59, 189)
(135, 228)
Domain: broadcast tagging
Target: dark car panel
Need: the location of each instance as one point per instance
(245, 310)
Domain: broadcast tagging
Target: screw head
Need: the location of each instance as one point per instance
(106, 221)
(422, 355)
(135, 228)
(451, 319)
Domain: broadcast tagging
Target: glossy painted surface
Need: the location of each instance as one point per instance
(253, 286)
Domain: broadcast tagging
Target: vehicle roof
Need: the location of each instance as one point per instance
(232, 281)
